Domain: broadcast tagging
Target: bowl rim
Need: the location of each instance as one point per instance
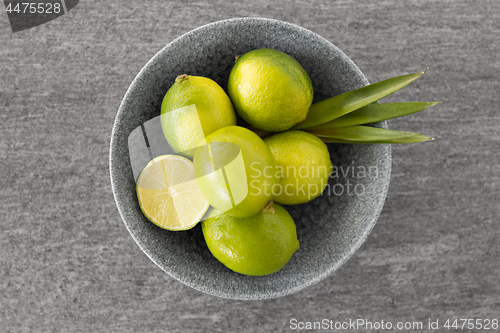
(293, 289)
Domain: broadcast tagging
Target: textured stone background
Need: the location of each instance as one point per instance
(67, 263)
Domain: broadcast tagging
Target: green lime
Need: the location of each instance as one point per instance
(235, 171)
(257, 245)
(303, 165)
(270, 90)
(193, 108)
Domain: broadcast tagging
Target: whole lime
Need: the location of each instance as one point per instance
(270, 90)
(257, 245)
(235, 171)
(193, 108)
(303, 165)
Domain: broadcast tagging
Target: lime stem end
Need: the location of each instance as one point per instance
(181, 78)
(269, 208)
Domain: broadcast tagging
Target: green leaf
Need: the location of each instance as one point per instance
(366, 134)
(335, 107)
(375, 112)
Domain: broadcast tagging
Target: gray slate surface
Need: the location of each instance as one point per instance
(68, 264)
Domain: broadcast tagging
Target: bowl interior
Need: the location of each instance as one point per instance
(330, 228)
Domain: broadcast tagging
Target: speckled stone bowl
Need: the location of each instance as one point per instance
(330, 228)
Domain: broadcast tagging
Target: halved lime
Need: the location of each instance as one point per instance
(169, 195)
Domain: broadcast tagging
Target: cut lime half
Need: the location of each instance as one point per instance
(169, 195)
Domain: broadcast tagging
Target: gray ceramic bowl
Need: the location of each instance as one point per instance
(330, 228)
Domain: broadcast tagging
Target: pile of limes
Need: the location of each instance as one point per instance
(244, 173)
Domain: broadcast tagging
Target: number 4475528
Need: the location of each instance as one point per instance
(34, 7)
(485, 324)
